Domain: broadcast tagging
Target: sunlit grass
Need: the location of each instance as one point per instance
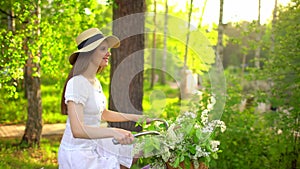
(13, 156)
(154, 103)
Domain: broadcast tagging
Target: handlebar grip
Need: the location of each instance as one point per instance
(115, 141)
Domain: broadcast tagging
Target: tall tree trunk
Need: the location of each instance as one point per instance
(273, 27)
(184, 72)
(243, 68)
(164, 59)
(200, 27)
(202, 14)
(11, 24)
(188, 35)
(258, 38)
(34, 124)
(220, 32)
(126, 94)
(153, 49)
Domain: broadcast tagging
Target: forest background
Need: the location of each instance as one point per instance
(260, 62)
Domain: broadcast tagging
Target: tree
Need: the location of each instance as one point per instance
(282, 68)
(202, 13)
(32, 72)
(185, 72)
(188, 35)
(154, 47)
(126, 93)
(258, 37)
(273, 25)
(164, 59)
(21, 56)
(38, 49)
(219, 47)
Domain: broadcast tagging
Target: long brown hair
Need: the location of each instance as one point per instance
(63, 106)
(80, 65)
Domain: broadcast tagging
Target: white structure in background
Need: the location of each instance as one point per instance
(188, 84)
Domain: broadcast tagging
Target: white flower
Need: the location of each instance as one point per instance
(197, 126)
(204, 117)
(213, 100)
(190, 114)
(210, 106)
(179, 119)
(214, 145)
(200, 152)
(208, 129)
(166, 155)
(221, 124)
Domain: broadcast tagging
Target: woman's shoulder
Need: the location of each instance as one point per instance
(77, 80)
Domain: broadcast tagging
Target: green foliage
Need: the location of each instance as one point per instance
(60, 23)
(13, 110)
(254, 139)
(13, 156)
(190, 137)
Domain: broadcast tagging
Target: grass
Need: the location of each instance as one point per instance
(157, 100)
(14, 111)
(13, 156)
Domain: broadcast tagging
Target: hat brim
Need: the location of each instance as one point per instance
(113, 42)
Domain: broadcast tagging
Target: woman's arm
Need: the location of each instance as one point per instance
(113, 116)
(79, 130)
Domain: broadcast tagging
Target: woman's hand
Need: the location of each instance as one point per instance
(148, 120)
(123, 136)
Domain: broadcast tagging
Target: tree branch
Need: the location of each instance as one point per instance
(4, 12)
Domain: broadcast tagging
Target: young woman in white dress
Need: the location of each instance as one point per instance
(85, 144)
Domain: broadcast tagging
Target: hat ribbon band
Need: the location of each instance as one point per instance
(89, 41)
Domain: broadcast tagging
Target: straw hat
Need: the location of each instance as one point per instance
(90, 39)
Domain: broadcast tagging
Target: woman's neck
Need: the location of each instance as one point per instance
(90, 73)
(89, 76)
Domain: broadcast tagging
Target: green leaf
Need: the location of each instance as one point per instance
(187, 163)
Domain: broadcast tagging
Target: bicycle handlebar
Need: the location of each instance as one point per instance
(146, 132)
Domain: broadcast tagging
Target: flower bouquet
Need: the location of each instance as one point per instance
(188, 142)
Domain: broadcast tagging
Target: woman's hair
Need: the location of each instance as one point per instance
(82, 62)
(80, 66)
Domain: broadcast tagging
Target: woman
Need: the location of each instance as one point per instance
(85, 144)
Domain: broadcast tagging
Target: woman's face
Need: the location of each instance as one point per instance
(101, 55)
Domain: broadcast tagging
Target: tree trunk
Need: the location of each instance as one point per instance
(11, 24)
(127, 64)
(184, 91)
(153, 50)
(258, 38)
(220, 32)
(34, 124)
(164, 59)
(202, 14)
(243, 68)
(188, 36)
(273, 27)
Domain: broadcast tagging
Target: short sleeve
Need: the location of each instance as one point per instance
(76, 90)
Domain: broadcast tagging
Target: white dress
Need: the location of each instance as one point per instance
(76, 153)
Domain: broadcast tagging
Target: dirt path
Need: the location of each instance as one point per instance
(17, 131)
